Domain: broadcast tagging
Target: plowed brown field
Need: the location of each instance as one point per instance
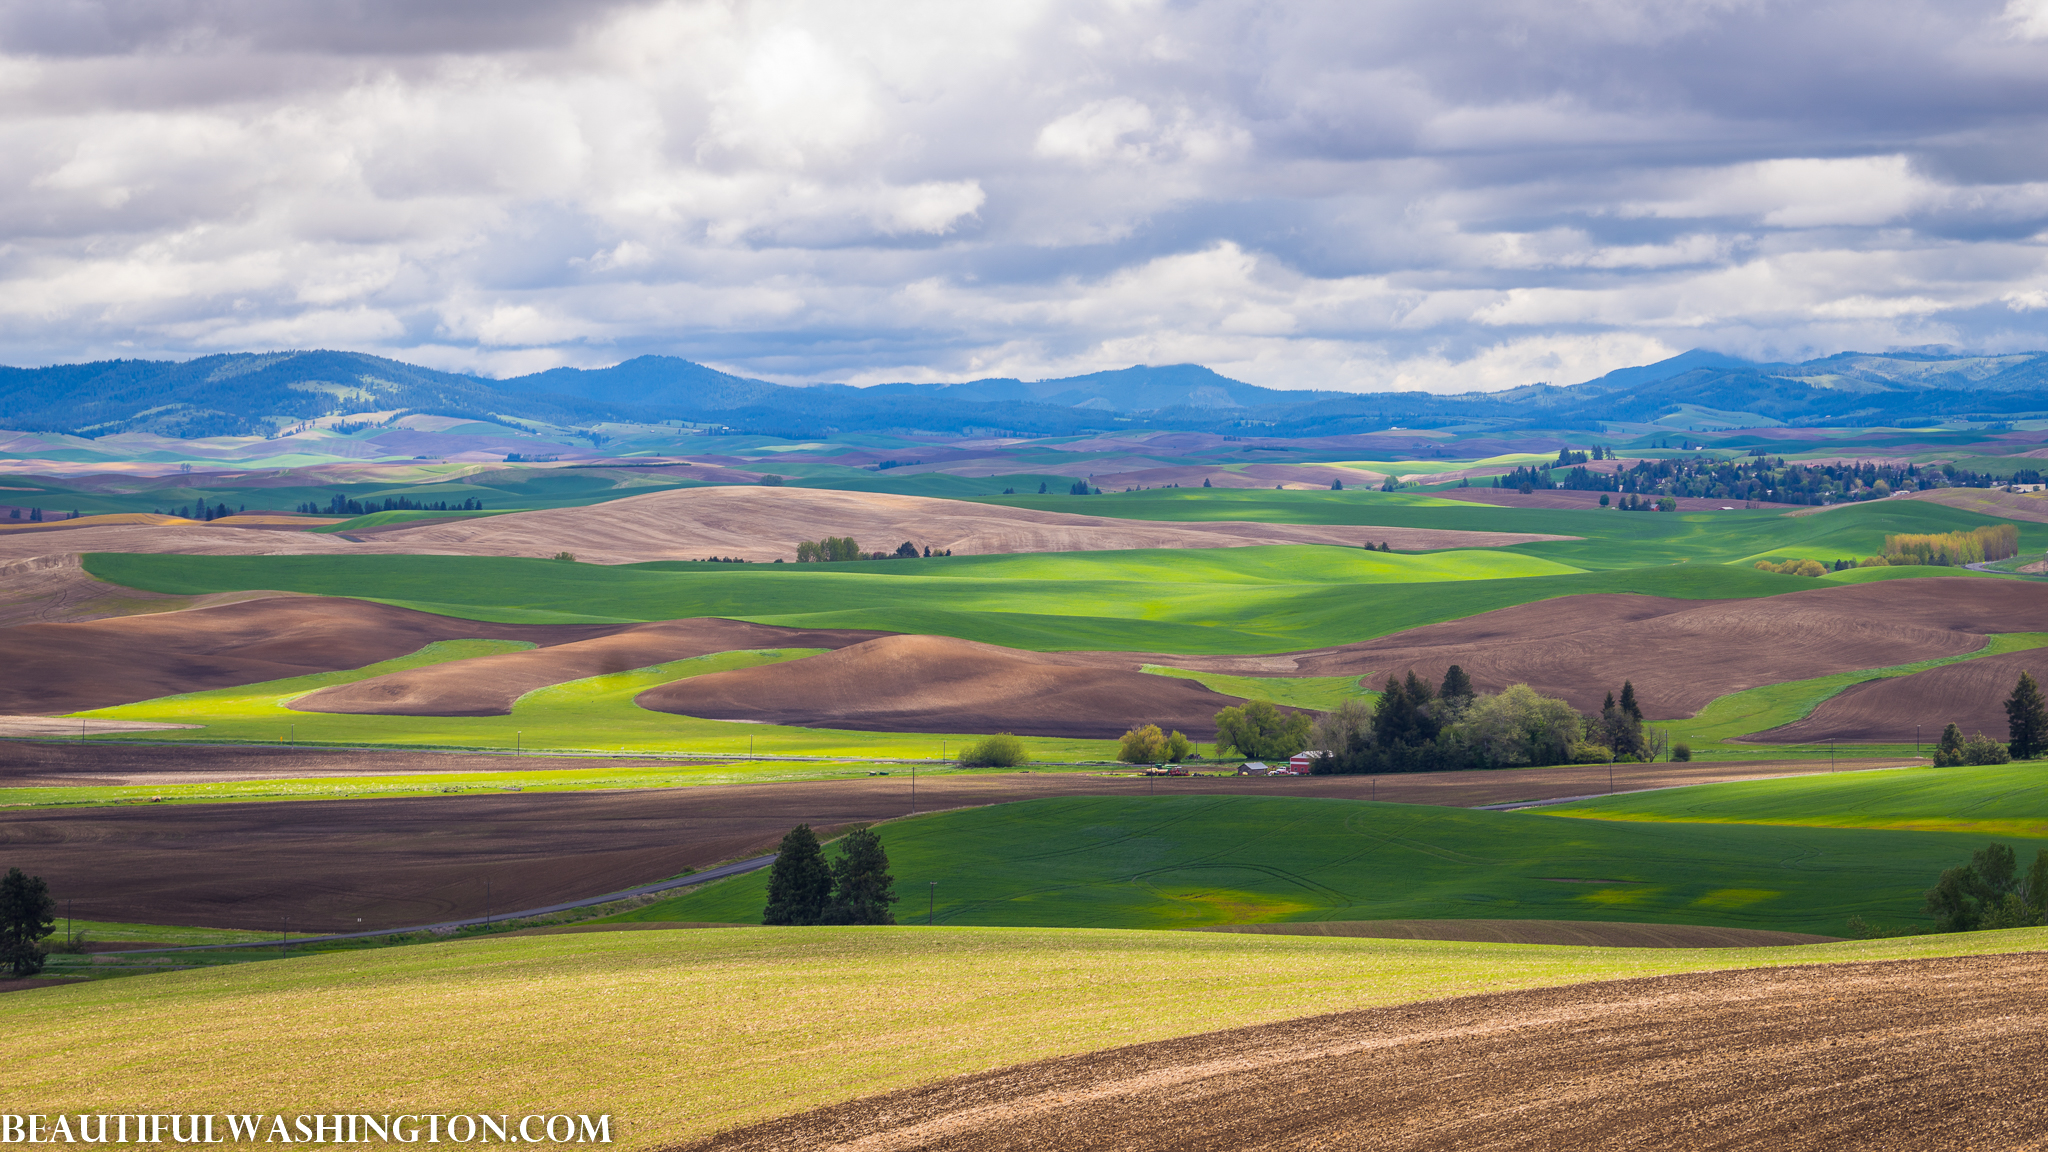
(1681, 654)
(939, 684)
(1990, 501)
(1970, 695)
(1910, 1055)
(488, 685)
(758, 523)
(66, 667)
(396, 862)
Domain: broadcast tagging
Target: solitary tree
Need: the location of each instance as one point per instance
(27, 914)
(1337, 485)
(1628, 701)
(800, 887)
(862, 887)
(2026, 719)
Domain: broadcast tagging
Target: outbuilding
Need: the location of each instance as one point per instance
(1254, 768)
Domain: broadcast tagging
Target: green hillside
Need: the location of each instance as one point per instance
(1187, 861)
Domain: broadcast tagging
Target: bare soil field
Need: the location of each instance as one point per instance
(1588, 933)
(1990, 501)
(939, 684)
(1906, 1055)
(1970, 695)
(488, 685)
(70, 666)
(759, 523)
(1681, 654)
(397, 862)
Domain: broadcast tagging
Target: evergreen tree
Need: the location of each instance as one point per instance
(1628, 701)
(27, 914)
(1205, 482)
(800, 887)
(862, 888)
(1456, 684)
(1950, 750)
(2026, 719)
(1337, 485)
(1041, 487)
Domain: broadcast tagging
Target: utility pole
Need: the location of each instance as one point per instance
(285, 945)
(932, 906)
(913, 787)
(487, 901)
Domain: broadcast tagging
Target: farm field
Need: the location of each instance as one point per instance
(1183, 862)
(623, 1023)
(1994, 800)
(593, 714)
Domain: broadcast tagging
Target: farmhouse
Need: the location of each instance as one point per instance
(1303, 763)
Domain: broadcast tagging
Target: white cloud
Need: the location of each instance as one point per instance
(1407, 194)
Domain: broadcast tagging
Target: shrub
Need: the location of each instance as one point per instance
(771, 481)
(1681, 752)
(1582, 752)
(999, 751)
(1145, 745)
(1875, 562)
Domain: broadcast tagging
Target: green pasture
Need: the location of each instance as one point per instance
(1323, 693)
(1226, 601)
(1728, 718)
(596, 714)
(679, 1034)
(1609, 539)
(1190, 861)
(2008, 801)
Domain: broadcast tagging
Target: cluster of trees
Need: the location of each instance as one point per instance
(1079, 488)
(2026, 728)
(339, 505)
(707, 559)
(1635, 503)
(846, 548)
(1148, 745)
(1419, 728)
(1259, 731)
(1989, 892)
(27, 915)
(888, 464)
(1762, 478)
(1001, 750)
(854, 889)
(35, 515)
(1383, 546)
(1991, 542)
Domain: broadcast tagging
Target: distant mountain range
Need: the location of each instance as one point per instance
(264, 393)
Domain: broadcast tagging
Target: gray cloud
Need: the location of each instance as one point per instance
(1439, 195)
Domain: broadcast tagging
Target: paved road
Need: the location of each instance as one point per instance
(704, 877)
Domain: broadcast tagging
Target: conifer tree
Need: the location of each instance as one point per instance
(862, 888)
(1628, 701)
(1456, 684)
(27, 914)
(800, 887)
(2026, 719)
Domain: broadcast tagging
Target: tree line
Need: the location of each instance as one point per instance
(339, 505)
(835, 548)
(856, 888)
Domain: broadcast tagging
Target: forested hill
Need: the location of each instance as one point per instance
(261, 393)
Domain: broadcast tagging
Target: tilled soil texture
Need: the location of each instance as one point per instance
(758, 523)
(1681, 654)
(64, 667)
(97, 663)
(488, 685)
(1970, 695)
(939, 684)
(398, 862)
(1991, 501)
(1584, 933)
(1907, 1055)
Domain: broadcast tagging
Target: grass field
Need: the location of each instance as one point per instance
(677, 1034)
(596, 714)
(2002, 800)
(1189, 861)
(1319, 692)
(1225, 601)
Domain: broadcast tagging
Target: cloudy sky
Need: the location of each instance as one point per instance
(1439, 194)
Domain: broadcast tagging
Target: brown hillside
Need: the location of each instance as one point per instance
(488, 685)
(1970, 695)
(1683, 653)
(759, 523)
(1889, 1057)
(1990, 501)
(939, 684)
(67, 667)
